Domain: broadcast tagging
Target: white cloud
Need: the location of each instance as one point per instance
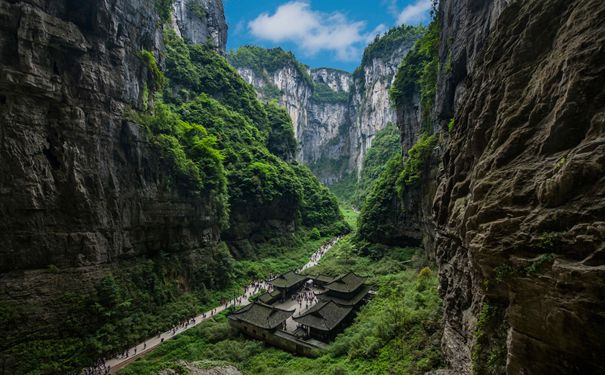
(313, 31)
(416, 13)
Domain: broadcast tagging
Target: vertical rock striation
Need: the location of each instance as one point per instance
(201, 21)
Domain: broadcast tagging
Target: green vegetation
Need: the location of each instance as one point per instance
(451, 124)
(384, 147)
(382, 213)
(256, 141)
(263, 61)
(416, 160)
(138, 299)
(383, 46)
(164, 9)
(190, 154)
(506, 271)
(350, 215)
(270, 92)
(217, 143)
(324, 94)
(196, 7)
(158, 80)
(281, 141)
(397, 332)
(489, 350)
(345, 188)
(417, 74)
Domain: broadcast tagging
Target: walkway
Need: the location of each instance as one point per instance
(145, 347)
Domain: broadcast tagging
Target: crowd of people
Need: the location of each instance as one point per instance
(316, 256)
(306, 297)
(100, 369)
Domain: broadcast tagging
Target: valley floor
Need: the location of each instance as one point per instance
(139, 350)
(396, 333)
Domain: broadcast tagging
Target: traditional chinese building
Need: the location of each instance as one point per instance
(325, 320)
(301, 326)
(348, 290)
(259, 320)
(288, 283)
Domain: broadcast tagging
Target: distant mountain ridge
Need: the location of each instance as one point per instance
(336, 114)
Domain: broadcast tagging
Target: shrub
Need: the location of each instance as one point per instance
(417, 73)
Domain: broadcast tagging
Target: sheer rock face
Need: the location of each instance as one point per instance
(520, 207)
(335, 135)
(201, 21)
(80, 186)
(371, 109)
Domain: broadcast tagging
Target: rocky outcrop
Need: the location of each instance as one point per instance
(520, 206)
(201, 21)
(80, 184)
(336, 114)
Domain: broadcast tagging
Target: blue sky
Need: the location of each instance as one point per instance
(321, 33)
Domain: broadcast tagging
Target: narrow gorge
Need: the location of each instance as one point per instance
(155, 184)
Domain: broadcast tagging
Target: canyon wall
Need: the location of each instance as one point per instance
(82, 189)
(80, 184)
(515, 223)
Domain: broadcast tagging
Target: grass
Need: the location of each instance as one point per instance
(397, 332)
(350, 215)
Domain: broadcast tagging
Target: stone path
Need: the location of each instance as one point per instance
(145, 347)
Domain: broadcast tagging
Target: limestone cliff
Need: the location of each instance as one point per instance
(336, 113)
(516, 224)
(201, 21)
(81, 189)
(520, 207)
(79, 183)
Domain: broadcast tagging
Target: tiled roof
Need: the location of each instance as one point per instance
(288, 280)
(268, 297)
(261, 315)
(324, 279)
(346, 283)
(324, 316)
(361, 292)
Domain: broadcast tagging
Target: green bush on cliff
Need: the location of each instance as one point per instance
(281, 141)
(324, 94)
(267, 60)
(196, 7)
(196, 69)
(417, 73)
(164, 9)
(382, 211)
(417, 157)
(190, 153)
(384, 147)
